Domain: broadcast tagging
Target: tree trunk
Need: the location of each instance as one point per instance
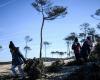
(26, 51)
(26, 54)
(45, 52)
(52, 55)
(41, 37)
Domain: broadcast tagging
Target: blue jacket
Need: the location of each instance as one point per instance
(17, 57)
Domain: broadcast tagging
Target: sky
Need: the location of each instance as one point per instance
(18, 19)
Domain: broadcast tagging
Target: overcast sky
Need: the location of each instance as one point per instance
(18, 19)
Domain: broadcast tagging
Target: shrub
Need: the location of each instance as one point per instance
(56, 66)
(93, 57)
(74, 62)
(96, 53)
(90, 71)
(33, 68)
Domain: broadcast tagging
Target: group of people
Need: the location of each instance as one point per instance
(82, 52)
(79, 51)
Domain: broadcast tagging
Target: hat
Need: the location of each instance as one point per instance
(11, 45)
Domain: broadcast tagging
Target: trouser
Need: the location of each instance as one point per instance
(85, 55)
(19, 69)
(77, 55)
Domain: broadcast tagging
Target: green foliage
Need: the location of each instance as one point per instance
(97, 48)
(0, 46)
(97, 12)
(71, 36)
(27, 48)
(85, 28)
(91, 31)
(95, 55)
(73, 63)
(28, 65)
(48, 11)
(46, 43)
(81, 35)
(56, 66)
(58, 52)
(38, 4)
(34, 68)
(28, 39)
(90, 71)
(54, 12)
(5, 77)
(98, 26)
(97, 37)
(87, 31)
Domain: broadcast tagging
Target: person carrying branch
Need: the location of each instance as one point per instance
(17, 60)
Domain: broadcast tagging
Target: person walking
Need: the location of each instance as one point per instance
(17, 60)
(76, 48)
(86, 48)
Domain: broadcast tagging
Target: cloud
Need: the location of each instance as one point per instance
(5, 2)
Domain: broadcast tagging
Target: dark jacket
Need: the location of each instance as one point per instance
(86, 48)
(17, 57)
(76, 47)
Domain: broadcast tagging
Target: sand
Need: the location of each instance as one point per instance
(5, 69)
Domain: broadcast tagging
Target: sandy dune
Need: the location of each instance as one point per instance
(5, 69)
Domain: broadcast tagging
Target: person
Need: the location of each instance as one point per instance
(76, 48)
(86, 48)
(17, 60)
